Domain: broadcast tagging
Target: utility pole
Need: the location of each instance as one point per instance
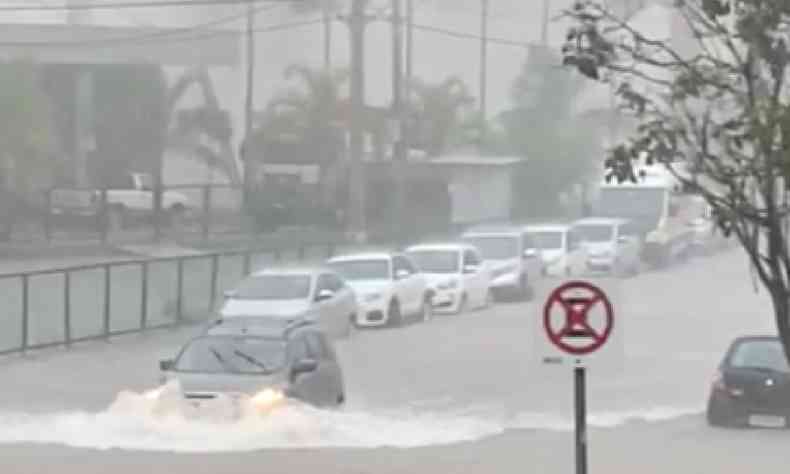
(483, 61)
(544, 32)
(409, 46)
(248, 103)
(327, 21)
(399, 150)
(356, 209)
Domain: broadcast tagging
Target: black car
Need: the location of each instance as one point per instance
(752, 385)
(245, 361)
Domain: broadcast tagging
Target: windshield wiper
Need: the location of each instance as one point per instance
(252, 360)
(222, 360)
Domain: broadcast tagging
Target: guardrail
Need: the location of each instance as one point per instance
(63, 306)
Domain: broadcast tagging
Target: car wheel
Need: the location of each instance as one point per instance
(716, 414)
(426, 312)
(462, 305)
(394, 316)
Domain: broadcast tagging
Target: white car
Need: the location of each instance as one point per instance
(456, 274)
(388, 286)
(560, 248)
(511, 257)
(613, 245)
(315, 294)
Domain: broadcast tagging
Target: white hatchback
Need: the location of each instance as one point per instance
(561, 249)
(388, 286)
(613, 245)
(456, 274)
(315, 294)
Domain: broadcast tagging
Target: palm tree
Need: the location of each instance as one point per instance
(436, 112)
(208, 120)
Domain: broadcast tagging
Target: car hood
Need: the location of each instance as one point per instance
(286, 308)
(550, 255)
(599, 248)
(434, 279)
(500, 267)
(227, 383)
(364, 287)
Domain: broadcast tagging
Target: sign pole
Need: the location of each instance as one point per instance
(581, 419)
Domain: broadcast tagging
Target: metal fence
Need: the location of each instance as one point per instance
(64, 306)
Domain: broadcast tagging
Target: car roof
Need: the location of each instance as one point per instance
(258, 326)
(351, 257)
(295, 269)
(601, 220)
(451, 246)
(752, 338)
(557, 227)
(493, 230)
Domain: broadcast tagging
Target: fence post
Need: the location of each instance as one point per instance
(48, 216)
(144, 295)
(247, 262)
(180, 290)
(67, 308)
(214, 275)
(206, 211)
(107, 296)
(105, 216)
(25, 312)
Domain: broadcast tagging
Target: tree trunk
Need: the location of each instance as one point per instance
(781, 305)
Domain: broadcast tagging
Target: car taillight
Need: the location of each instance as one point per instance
(718, 382)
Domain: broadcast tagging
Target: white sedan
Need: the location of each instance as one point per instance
(316, 294)
(388, 286)
(456, 273)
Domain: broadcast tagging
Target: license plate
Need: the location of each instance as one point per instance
(764, 421)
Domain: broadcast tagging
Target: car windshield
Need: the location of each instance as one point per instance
(495, 247)
(274, 287)
(436, 261)
(354, 270)
(760, 354)
(237, 355)
(547, 239)
(595, 232)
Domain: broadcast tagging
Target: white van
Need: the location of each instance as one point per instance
(560, 248)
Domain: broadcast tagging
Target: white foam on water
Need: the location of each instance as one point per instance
(136, 422)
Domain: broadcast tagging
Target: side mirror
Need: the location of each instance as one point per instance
(324, 295)
(304, 366)
(530, 253)
(401, 274)
(166, 365)
(230, 294)
(471, 269)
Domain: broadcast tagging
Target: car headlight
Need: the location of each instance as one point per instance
(448, 285)
(371, 297)
(267, 399)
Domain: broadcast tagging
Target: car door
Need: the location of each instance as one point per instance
(325, 380)
(474, 281)
(328, 309)
(533, 264)
(305, 386)
(407, 288)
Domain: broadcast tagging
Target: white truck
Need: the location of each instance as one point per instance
(661, 213)
(134, 200)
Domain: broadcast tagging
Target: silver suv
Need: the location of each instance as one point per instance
(249, 363)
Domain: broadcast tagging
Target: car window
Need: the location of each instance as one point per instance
(274, 287)
(239, 355)
(401, 263)
(471, 258)
(328, 281)
(760, 354)
(436, 261)
(355, 270)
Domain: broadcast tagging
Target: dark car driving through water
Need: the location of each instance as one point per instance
(752, 385)
(249, 364)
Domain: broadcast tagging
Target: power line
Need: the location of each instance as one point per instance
(471, 36)
(129, 5)
(170, 36)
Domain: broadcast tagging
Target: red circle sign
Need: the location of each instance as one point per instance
(576, 325)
